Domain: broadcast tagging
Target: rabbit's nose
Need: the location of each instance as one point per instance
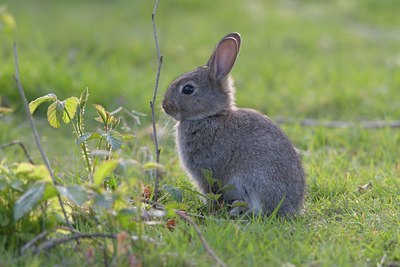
(169, 107)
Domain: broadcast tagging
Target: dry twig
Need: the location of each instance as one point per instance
(187, 218)
(33, 241)
(209, 250)
(152, 102)
(17, 142)
(35, 132)
(54, 242)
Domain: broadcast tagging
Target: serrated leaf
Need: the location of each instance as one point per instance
(87, 136)
(152, 165)
(114, 139)
(84, 98)
(105, 200)
(105, 169)
(75, 193)
(83, 138)
(38, 101)
(176, 193)
(102, 112)
(28, 201)
(70, 106)
(55, 113)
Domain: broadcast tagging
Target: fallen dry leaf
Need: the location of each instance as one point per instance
(365, 187)
(146, 192)
(171, 224)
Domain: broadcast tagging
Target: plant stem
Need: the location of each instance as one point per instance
(83, 145)
(153, 117)
(36, 134)
(17, 142)
(97, 157)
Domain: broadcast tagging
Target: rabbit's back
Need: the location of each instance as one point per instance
(245, 149)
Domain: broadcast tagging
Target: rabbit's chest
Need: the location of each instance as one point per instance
(201, 148)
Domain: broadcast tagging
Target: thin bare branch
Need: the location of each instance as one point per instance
(35, 132)
(54, 242)
(17, 142)
(34, 240)
(209, 250)
(340, 124)
(153, 18)
(152, 103)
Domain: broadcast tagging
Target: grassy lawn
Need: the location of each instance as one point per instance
(325, 60)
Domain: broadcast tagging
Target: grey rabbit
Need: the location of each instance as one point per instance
(237, 146)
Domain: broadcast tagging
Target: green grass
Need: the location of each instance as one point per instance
(328, 60)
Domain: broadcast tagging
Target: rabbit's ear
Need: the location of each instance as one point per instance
(236, 36)
(224, 56)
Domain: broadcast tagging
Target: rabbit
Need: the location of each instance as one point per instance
(238, 146)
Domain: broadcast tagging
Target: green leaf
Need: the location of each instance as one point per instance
(28, 201)
(38, 101)
(214, 197)
(105, 169)
(87, 136)
(49, 192)
(83, 138)
(102, 113)
(105, 200)
(228, 187)
(17, 185)
(210, 180)
(55, 113)
(83, 98)
(124, 216)
(70, 106)
(114, 139)
(75, 193)
(176, 193)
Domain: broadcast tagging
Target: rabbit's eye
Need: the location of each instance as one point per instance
(188, 89)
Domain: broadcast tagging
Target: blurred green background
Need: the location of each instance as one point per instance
(328, 60)
(319, 59)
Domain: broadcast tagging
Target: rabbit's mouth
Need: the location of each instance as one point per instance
(171, 109)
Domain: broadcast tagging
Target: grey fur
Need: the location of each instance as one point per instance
(239, 146)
